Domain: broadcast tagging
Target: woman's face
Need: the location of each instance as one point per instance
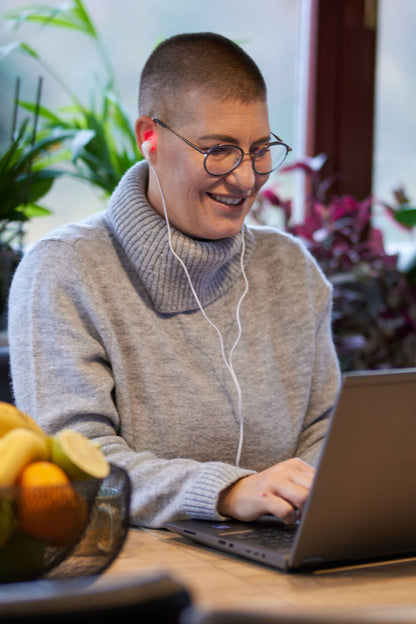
(200, 205)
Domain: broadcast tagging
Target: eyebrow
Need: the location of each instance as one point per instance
(225, 138)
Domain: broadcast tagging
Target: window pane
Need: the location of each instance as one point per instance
(395, 119)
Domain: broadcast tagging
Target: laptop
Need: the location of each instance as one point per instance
(362, 505)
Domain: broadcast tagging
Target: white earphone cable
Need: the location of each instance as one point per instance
(228, 363)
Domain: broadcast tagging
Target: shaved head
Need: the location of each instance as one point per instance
(193, 62)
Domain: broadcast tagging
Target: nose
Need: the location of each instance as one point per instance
(243, 176)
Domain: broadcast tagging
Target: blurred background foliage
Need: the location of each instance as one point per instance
(94, 143)
(374, 301)
(104, 145)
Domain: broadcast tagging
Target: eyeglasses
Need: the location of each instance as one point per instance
(220, 160)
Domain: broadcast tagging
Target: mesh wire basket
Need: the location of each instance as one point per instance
(62, 536)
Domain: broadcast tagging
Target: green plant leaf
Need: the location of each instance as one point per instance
(25, 173)
(62, 155)
(14, 151)
(26, 188)
(121, 118)
(81, 139)
(69, 15)
(84, 18)
(42, 112)
(30, 154)
(17, 46)
(39, 185)
(35, 210)
(104, 144)
(406, 216)
(24, 212)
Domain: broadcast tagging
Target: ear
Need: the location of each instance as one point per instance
(145, 130)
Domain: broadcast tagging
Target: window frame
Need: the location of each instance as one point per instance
(338, 117)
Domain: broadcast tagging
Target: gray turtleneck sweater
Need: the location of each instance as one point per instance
(106, 337)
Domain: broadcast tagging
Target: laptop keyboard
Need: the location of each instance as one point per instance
(268, 536)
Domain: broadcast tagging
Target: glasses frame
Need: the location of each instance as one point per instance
(206, 152)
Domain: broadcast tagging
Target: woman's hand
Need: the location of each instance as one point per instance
(281, 490)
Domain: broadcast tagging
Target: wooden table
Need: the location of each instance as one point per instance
(217, 580)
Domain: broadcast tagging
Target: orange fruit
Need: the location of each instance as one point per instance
(48, 506)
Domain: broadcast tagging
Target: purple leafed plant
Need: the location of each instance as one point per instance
(374, 303)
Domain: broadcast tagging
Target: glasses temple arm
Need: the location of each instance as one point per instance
(289, 149)
(163, 125)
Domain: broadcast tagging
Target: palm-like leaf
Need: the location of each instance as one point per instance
(69, 15)
(26, 177)
(101, 156)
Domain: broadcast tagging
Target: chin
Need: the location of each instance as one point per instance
(224, 232)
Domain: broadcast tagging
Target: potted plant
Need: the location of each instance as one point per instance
(106, 145)
(26, 176)
(103, 146)
(374, 302)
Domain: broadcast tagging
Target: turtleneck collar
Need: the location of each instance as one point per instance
(214, 266)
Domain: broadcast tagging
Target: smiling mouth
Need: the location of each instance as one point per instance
(227, 200)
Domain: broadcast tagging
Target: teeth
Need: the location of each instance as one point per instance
(229, 201)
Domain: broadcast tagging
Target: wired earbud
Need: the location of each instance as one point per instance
(228, 362)
(146, 146)
(149, 144)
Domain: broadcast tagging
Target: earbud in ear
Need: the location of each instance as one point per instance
(146, 146)
(149, 144)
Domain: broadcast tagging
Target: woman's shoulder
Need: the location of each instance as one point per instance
(285, 254)
(276, 241)
(73, 235)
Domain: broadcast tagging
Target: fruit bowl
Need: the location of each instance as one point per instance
(63, 531)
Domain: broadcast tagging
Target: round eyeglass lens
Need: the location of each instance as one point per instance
(270, 158)
(222, 159)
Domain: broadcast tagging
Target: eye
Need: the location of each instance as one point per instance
(220, 151)
(261, 152)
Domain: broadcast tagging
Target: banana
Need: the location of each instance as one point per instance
(19, 447)
(11, 417)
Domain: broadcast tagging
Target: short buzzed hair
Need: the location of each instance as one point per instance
(191, 61)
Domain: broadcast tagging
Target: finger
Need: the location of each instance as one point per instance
(291, 484)
(280, 507)
(295, 494)
(282, 480)
(301, 480)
